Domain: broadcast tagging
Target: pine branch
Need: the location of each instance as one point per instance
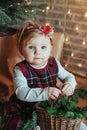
(67, 106)
(31, 124)
(4, 18)
(81, 92)
(11, 12)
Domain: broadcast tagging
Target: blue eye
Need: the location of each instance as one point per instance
(30, 47)
(43, 47)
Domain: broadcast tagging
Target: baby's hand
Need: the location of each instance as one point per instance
(53, 93)
(67, 90)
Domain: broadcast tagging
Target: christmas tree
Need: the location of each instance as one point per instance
(13, 12)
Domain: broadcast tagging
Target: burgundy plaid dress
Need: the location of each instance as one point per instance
(18, 110)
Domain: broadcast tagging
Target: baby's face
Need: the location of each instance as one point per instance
(38, 50)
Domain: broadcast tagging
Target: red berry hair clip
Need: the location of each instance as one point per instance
(48, 30)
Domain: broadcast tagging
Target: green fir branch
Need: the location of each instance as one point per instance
(67, 106)
(32, 123)
(11, 11)
(4, 18)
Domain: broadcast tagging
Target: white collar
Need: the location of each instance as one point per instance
(41, 67)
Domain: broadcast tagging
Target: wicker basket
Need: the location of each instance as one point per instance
(56, 123)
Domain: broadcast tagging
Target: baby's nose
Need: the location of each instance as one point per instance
(37, 51)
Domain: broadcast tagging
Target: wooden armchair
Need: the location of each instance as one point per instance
(58, 43)
(9, 56)
(57, 50)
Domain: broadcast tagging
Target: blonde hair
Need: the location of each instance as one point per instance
(29, 30)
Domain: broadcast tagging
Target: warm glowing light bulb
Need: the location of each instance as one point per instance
(85, 15)
(66, 65)
(47, 24)
(43, 11)
(32, 10)
(84, 42)
(66, 39)
(77, 28)
(26, 11)
(11, 5)
(69, 11)
(72, 54)
(79, 65)
(19, 4)
(48, 8)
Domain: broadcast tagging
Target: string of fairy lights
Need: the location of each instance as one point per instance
(83, 43)
(77, 28)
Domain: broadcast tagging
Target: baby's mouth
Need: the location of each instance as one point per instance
(37, 58)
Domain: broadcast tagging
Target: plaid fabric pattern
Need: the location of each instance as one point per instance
(13, 120)
(13, 123)
(18, 110)
(40, 77)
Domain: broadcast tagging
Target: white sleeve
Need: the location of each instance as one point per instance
(25, 93)
(65, 76)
